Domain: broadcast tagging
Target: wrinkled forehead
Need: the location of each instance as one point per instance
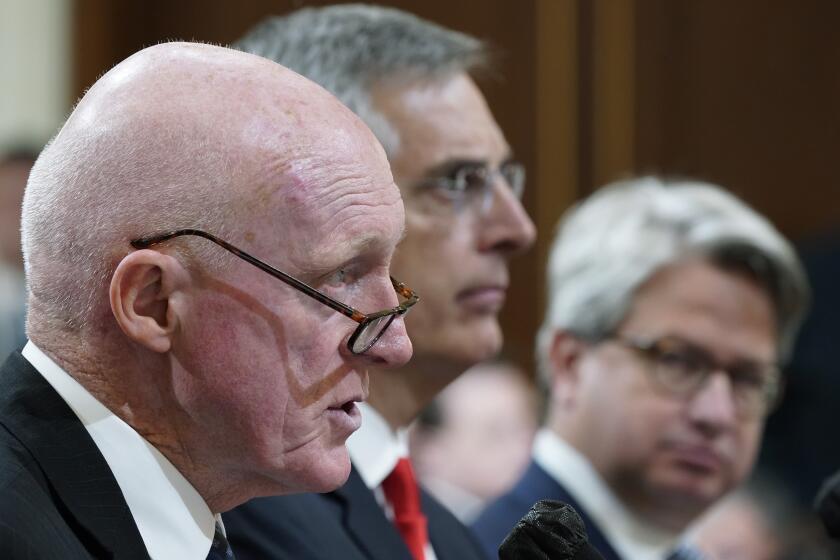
(329, 192)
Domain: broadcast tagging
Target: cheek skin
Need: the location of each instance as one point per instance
(264, 392)
(664, 475)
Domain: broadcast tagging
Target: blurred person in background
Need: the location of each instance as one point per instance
(410, 81)
(761, 521)
(14, 171)
(671, 306)
(474, 441)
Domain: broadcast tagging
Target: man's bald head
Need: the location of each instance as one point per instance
(245, 384)
(178, 135)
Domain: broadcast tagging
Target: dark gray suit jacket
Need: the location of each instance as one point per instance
(348, 524)
(58, 498)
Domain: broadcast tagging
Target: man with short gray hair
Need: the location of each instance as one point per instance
(671, 307)
(410, 82)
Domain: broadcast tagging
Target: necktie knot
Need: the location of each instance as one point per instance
(402, 493)
(220, 549)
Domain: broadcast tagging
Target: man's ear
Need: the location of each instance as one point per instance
(564, 357)
(141, 293)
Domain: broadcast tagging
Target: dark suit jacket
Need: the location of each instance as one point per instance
(58, 498)
(347, 524)
(495, 522)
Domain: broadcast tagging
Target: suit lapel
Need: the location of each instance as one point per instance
(449, 538)
(365, 522)
(87, 492)
(537, 484)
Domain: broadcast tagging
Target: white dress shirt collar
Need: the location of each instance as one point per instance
(173, 519)
(375, 448)
(630, 536)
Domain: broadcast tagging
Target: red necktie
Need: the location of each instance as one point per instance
(404, 496)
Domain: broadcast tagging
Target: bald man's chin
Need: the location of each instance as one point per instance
(331, 473)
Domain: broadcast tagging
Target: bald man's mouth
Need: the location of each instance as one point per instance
(346, 417)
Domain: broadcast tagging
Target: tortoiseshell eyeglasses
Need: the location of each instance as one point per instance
(371, 325)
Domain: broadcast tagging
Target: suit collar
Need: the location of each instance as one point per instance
(75, 469)
(366, 522)
(537, 484)
(375, 448)
(629, 534)
(173, 519)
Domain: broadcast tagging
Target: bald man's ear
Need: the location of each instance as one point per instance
(141, 293)
(564, 356)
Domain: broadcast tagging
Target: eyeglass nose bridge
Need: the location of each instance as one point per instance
(365, 321)
(392, 314)
(497, 177)
(745, 405)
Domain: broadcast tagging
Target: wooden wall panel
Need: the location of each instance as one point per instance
(556, 180)
(746, 94)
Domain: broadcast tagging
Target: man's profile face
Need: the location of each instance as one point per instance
(661, 452)
(455, 255)
(267, 368)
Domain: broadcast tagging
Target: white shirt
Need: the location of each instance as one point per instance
(630, 536)
(174, 520)
(375, 449)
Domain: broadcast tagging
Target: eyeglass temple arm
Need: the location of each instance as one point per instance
(145, 242)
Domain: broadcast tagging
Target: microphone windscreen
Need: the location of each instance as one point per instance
(551, 530)
(827, 505)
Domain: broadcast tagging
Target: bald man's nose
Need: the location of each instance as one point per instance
(394, 348)
(506, 228)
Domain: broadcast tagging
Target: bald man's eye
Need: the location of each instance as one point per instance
(340, 277)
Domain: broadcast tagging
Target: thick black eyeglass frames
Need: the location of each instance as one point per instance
(371, 325)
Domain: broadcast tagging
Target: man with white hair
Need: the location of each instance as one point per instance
(671, 306)
(171, 372)
(409, 80)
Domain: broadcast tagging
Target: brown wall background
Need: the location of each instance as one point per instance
(745, 94)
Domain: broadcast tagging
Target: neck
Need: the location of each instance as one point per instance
(136, 387)
(400, 395)
(662, 513)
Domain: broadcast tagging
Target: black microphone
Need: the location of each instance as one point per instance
(827, 505)
(551, 530)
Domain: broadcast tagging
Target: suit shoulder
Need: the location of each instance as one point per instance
(18, 469)
(450, 538)
(499, 518)
(31, 525)
(506, 510)
(296, 526)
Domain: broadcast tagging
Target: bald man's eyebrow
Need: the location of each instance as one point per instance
(325, 259)
(373, 242)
